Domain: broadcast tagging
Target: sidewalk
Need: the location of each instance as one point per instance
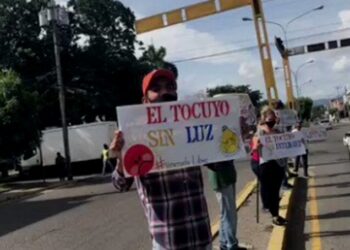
(22, 189)
(262, 234)
(345, 121)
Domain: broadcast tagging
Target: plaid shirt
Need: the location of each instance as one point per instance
(175, 208)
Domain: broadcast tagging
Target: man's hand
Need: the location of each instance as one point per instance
(116, 147)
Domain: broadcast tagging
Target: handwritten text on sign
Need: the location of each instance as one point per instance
(315, 134)
(174, 135)
(284, 145)
(287, 117)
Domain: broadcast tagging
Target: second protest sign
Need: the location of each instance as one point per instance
(277, 146)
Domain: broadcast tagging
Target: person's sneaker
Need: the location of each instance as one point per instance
(244, 246)
(279, 221)
(265, 210)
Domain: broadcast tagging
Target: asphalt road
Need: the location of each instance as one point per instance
(90, 215)
(321, 211)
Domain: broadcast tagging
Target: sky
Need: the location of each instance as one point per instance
(226, 31)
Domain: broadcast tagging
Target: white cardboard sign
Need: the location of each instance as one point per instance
(287, 117)
(315, 134)
(172, 135)
(277, 146)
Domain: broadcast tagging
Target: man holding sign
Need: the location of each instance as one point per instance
(173, 201)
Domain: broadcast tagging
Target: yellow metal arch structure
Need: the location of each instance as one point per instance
(289, 86)
(212, 7)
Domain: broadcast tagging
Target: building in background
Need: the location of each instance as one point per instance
(346, 98)
(338, 104)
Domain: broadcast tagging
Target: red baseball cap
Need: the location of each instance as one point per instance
(150, 77)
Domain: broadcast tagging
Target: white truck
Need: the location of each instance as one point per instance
(85, 144)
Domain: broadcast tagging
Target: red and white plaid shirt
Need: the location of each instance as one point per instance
(175, 208)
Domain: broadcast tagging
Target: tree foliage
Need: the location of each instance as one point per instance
(100, 70)
(18, 117)
(155, 58)
(255, 95)
(318, 112)
(305, 106)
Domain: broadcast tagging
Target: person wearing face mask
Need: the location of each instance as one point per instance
(173, 201)
(271, 172)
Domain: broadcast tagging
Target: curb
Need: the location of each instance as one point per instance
(277, 238)
(30, 192)
(242, 197)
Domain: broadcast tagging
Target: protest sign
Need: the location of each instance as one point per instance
(277, 146)
(248, 111)
(247, 118)
(315, 134)
(286, 117)
(165, 136)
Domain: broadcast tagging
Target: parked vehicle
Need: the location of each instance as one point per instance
(85, 144)
(326, 124)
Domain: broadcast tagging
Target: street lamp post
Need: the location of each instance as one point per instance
(285, 28)
(56, 15)
(303, 84)
(286, 65)
(296, 75)
(247, 19)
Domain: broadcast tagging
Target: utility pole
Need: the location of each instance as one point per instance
(57, 15)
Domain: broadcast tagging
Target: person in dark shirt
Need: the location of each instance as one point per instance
(60, 163)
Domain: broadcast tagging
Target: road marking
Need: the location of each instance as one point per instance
(316, 243)
(242, 197)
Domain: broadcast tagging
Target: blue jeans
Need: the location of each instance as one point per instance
(228, 217)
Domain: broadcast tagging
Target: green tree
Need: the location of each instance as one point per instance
(100, 70)
(155, 58)
(19, 31)
(318, 112)
(305, 106)
(19, 132)
(255, 95)
(333, 111)
(105, 67)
